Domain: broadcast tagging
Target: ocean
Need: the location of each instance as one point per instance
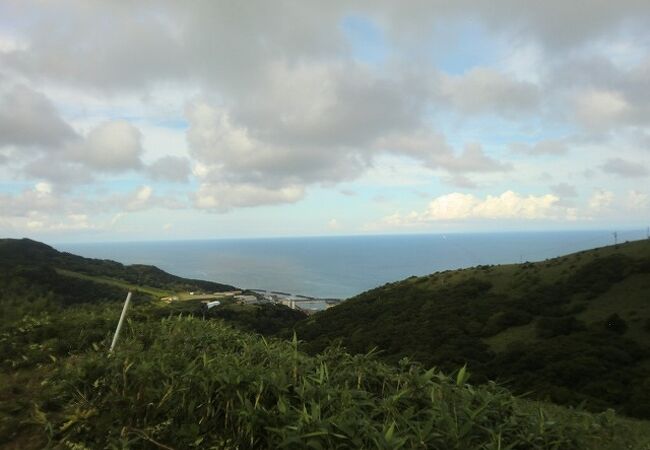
(340, 267)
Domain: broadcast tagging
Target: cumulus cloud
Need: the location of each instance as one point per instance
(221, 197)
(601, 200)
(505, 206)
(139, 199)
(621, 167)
(238, 166)
(597, 109)
(38, 198)
(330, 104)
(214, 39)
(486, 91)
(289, 107)
(543, 147)
(142, 198)
(42, 145)
(564, 190)
(109, 147)
(235, 160)
(170, 168)
(432, 149)
(463, 207)
(638, 201)
(232, 152)
(28, 118)
(606, 95)
(557, 25)
(460, 181)
(43, 208)
(70, 222)
(59, 171)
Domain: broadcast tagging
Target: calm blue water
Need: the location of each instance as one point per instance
(341, 266)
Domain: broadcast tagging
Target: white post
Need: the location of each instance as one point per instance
(121, 322)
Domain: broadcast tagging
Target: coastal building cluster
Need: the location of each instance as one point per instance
(303, 303)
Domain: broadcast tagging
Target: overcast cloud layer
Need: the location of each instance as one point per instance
(151, 119)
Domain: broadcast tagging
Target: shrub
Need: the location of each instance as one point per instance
(201, 384)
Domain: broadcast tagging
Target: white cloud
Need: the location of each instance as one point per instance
(623, 168)
(505, 206)
(45, 210)
(221, 197)
(139, 199)
(543, 147)
(564, 190)
(10, 43)
(597, 109)
(111, 147)
(28, 118)
(43, 188)
(460, 181)
(273, 113)
(170, 168)
(463, 207)
(333, 225)
(601, 200)
(432, 149)
(40, 198)
(486, 91)
(638, 201)
(44, 146)
(211, 40)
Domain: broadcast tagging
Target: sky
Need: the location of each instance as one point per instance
(154, 120)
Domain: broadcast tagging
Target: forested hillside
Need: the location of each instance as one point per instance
(570, 330)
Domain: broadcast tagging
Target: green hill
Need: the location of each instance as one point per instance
(30, 266)
(33, 270)
(179, 380)
(571, 330)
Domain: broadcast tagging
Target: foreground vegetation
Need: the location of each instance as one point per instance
(186, 382)
(571, 330)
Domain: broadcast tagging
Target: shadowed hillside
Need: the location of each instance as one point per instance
(33, 266)
(571, 329)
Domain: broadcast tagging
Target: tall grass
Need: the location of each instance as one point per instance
(187, 383)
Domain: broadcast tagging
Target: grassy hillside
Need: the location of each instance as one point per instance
(571, 330)
(184, 382)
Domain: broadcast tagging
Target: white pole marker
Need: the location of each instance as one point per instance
(121, 322)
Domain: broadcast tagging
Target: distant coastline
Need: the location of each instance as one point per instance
(341, 267)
